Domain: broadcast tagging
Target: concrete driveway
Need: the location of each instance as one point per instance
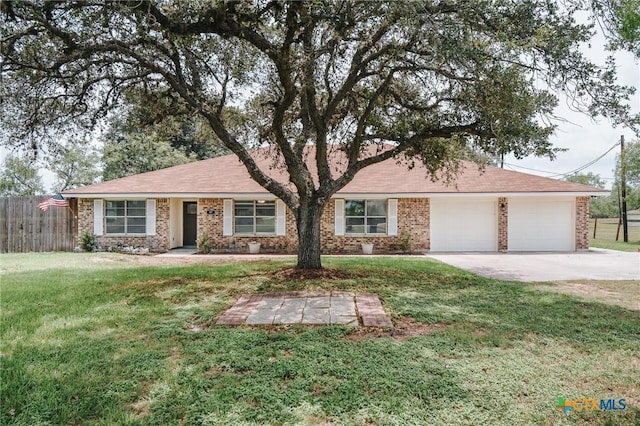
(596, 264)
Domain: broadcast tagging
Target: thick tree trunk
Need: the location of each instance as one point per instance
(308, 225)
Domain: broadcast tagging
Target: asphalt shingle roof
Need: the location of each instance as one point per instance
(227, 175)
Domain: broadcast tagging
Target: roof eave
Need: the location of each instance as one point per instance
(267, 195)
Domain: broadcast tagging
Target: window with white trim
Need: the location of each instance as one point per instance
(365, 216)
(125, 216)
(255, 217)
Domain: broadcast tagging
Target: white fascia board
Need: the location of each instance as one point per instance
(181, 195)
(555, 194)
(358, 195)
(373, 196)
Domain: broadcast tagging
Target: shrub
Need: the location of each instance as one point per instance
(405, 243)
(87, 241)
(204, 244)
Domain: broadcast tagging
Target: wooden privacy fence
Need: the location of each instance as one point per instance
(24, 227)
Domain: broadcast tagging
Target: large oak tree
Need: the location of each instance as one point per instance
(423, 80)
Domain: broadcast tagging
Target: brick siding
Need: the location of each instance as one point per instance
(503, 224)
(413, 220)
(211, 225)
(155, 243)
(85, 216)
(582, 223)
(413, 225)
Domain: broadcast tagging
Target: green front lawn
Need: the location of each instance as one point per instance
(99, 339)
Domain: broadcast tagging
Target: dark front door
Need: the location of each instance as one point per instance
(190, 224)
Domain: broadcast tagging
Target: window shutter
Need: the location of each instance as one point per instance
(98, 220)
(339, 217)
(280, 217)
(227, 218)
(151, 217)
(392, 216)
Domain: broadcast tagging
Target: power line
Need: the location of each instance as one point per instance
(579, 169)
(527, 168)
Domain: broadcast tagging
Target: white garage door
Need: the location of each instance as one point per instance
(469, 224)
(541, 224)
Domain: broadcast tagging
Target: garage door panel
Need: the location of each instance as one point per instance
(464, 224)
(541, 225)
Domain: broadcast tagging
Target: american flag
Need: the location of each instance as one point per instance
(57, 200)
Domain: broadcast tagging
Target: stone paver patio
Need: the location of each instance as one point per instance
(295, 307)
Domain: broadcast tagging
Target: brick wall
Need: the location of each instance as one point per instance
(503, 224)
(582, 223)
(155, 243)
(413, 219)
(85, 216)
(211, 225)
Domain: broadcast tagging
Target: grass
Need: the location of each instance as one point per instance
(625, 293)
(120, 343)
(606, 236)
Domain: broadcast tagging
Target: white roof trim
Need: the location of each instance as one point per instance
(181, 195)
(371, 195)
(358, 195)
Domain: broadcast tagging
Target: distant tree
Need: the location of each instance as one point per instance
(631, 164)
(154, 113)
(74, 164)
(633, 198)
(632, 174)
(590, 179)
(19, 176)
(605, 206)
(128, 151)
(146, 138)
(610, 206)
(602, 206)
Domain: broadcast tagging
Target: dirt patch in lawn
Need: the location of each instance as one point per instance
(404, 328)
(292, 274)
(179, 260)
(620, 293)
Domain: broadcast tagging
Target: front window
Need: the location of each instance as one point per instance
(126, 217)
(366, 216)
(255, 217)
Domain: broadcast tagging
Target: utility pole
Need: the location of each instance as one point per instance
(623, 183)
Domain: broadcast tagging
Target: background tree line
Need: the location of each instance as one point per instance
(133, 144)
(609, 206)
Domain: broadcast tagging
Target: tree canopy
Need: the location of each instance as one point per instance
(19, 176)
(128, 151)
(611, 206)
(142, 142)
(631, 160)
(586, 179)
(74, 164)
(620, 20)
(422, 80)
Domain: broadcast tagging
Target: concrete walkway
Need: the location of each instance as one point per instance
(307, 308)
